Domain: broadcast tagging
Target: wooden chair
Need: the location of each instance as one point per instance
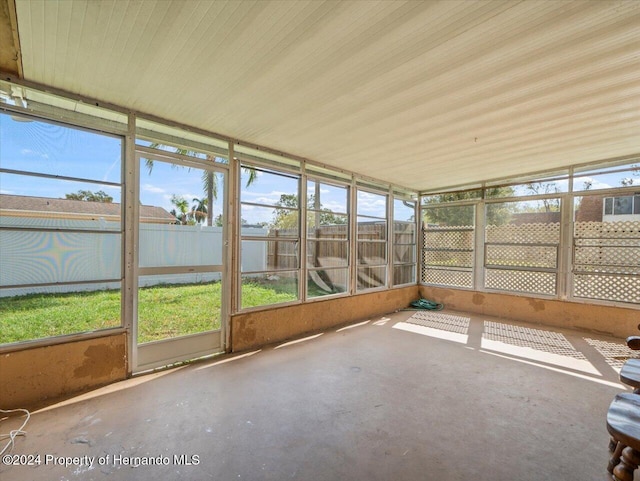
(630, 372)
(623, 421)
(623, 424)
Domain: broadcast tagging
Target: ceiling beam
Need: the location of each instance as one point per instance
(10, 56)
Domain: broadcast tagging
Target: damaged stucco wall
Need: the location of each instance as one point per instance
(257, 328)
(34, 377)
(615, 321)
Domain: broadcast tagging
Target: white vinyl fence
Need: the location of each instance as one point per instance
(59, 254)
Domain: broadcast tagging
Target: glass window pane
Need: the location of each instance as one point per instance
(404, 234)
(40, 257)
(325, 225)
(636, 204)
(371, 277)
(607, 178)
(38, 312)
(608, 205)
(372, 253)
(443, 198)
(263, 187)
(451, 216)
(325, 282)
(404, 211)
(372, 205)
(541, 187)
(325, 197)
(37, 202)
(48, 148)
(327, 253)
(281, 222)
(269, 255)
(177, 140)
(181, 192)
(61, 243)
(544, 211)
(404, 275)
(268, 288)
(404, 254)
(177, 225)
(178, 305)
(369, 229)
(622, 205)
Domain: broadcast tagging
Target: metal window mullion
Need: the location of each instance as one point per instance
(268, 166)
(180, 159)
(250, 238)
(353, 237)
(59, 177)
(565, 248)
(501, 267)
(65, 117)
(61, 230)
(131, 194)
(389, 234)
(274, 206)
(478, 257)
(173, 141)
(174, 270)
(420, 244)
(228, 250)
(302, 234)
(63, 283)
(236, 230)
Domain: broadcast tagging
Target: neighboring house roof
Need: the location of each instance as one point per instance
(20, 205)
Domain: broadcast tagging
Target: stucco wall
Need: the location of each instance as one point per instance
(257, 328)
(615, 321)
(33, 377)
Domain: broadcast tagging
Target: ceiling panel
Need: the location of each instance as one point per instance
(425, 94)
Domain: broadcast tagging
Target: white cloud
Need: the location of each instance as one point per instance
(34, 153)
(153, 189)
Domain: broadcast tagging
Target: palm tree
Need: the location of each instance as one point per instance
(209, 179)
(200, 210)
(182, 206)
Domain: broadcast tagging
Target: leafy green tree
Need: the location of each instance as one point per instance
(218, 221)
(288, 219)
(464, 215)
(547, 205)
(89, 196)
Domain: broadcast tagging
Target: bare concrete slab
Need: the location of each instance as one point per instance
(446, 396)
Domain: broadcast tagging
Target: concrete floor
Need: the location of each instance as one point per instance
(445, 396)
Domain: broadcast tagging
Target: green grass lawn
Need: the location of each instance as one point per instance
(163, 310)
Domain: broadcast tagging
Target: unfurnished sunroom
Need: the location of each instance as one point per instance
(184, 179)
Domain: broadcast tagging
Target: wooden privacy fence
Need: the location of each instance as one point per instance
(328, 247)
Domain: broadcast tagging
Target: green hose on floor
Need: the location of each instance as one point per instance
(425, 304)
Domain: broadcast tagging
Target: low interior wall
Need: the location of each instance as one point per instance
(31, 377)
(253, 329)
(615, 321)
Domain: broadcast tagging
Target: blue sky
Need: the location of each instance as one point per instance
(54, 149)
(58, 150)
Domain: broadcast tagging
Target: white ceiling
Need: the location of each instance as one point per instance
(424, 94)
